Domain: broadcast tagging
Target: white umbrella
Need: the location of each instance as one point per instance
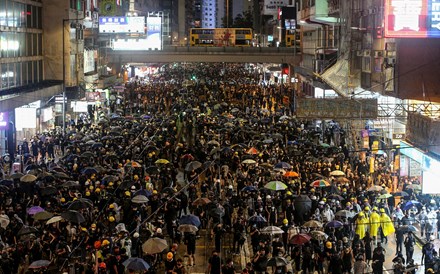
(337, 173)
(4, 220)
(54, 219)
(139, 199)
(272, 230)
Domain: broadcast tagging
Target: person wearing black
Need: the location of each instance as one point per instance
(218, 231)
(190, 241)
(179, 268)
(260, 261)
(428, 250)
(409, 246)
(214, 263)
(277, 247)
(228, 268)
(378, 260)
(238, 229)
(399, 240)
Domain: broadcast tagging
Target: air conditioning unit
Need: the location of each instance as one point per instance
(367, 53)
(95, 16)
(359, 53)
(390, 60)
(88, 14)
(378, 54)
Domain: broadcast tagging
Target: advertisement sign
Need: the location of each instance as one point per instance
(130, 44)
(25, 118)
(270, 7)
(4, 120)
(336, 108)
(412, 18)
(154, 32)
(122, 24)
(89, 61)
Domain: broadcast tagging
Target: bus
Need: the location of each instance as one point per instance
(293, 38)
(220, 37)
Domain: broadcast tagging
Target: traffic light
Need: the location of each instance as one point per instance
(285, 69)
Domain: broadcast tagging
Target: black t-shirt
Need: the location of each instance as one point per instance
(215, 263)
(170, 265)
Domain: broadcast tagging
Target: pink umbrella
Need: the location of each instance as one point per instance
(34, 210)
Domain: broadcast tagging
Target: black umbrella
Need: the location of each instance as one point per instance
(89, 171)
(87, 154)
(80, 204)
(47, 191)
(39, 264)
(277, 261)
(302, 204)
(191, 166)
(26, 230)
(73, 216)
(17, 175)
(70, 184)
(136, 264)
(61, 175)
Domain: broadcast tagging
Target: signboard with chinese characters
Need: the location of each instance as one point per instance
(271, 6)
(412, 18)
(122, 24)
(336, 108)
(154, 32)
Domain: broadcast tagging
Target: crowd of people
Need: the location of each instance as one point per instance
(223, 154)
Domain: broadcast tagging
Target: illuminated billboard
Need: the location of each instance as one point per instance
(4, 120)
(412, 18)
(154, 32)
(122, 24)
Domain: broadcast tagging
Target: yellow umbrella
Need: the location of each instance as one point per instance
(162, 161)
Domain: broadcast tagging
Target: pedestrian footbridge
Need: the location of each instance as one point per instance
(171, 54)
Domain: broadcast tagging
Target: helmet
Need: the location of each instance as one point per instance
(345, 240)
(344, 190)
(312, 190)
(382, 210)
(268, 197)
(111, 206)
(432, 238)
(154, 192)
(98, 190)
(105, 242)
(87, 193)
(159, 230)
(110, 184)
(133, 188)
(365, 200)
(74, 199)
(430, 270)
(136, 177)
(170, 255)
(324, 200)
(230, 187)
(93, 226)
(127, 193)
(348, 204)
(361, 214)
(136, 235)
(375, 208)
(328, 245)
(91, 187)
(111, 219)
(97, 244)
(63, 200)
(288, 193)
(285, 221)
(367, 208)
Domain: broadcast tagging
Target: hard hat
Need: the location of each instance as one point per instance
(375, 208)
(87, 193)
(382, 210)
(312, 190)
(98, 190)
(133, 188)
(430, 270)
(361, 214)
(344, 190)
(288, 193)
(110, 184)
(345, 240)
(135, 177)
(102, 265)
(83, 229)
(324, 200)
(159, 230)
(93, 226)
(259, 198)
(111, 206)
(313, 197)
(154, 191)
(136, 235)
(285, 221)
(268, 197)
(75, 199)
(348, 204)
(105, 242)
(63, 200)
(127, 193)
(328, 244)
(97, 244)
(169, 255)
(432, 238)
(367, 208)
(111, 219)
(365, 200)
(230, 187)
(91, 187)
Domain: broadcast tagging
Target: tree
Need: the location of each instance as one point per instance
(242, 20)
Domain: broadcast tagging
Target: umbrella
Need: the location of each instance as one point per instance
(300, 239)
(313, 224)
(73, 216)
(39, 264)
(268, 141)
(252, 151)
(275, 185)
(384, 196)
(97, 145)
(34, 210)
(201, 201)
(70, 184)
(26, 230)
(54, 219)
(272, 230)
(337, 173)
(139, 199)
(89, 171)
(61, 175)
(335, 197)
(162, 162)
(407, 228)
(320, 183)
(190, 219)
(17, 175)
(214, 143)
(410, 204)
(87, 154)
(218, 211)
(133, 164)
(191, 166)
(342, 180)
(143, 192)
(42, 215)
(375, 188)
(277, 261)
(185, 228)
(334, 224)
(400, 194)
(257, 219)
(414, 187)
(136, 264)
(4, 221)
(154, 245)
(81, 204)
(344, 214)
(47, 191)
(249, 189)
(249, 162)
(28, 178)
(188, 157)
(291, 174)
(302, 204)
(318, 235)
(282, 165)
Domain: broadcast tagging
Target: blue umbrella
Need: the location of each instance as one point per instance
(249, 189)
(143, 192)
(89, 171)
(334, 224)
(410, 204)
(282, 165)
(136, 264)
(190, 219)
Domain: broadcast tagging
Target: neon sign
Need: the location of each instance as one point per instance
(412, 18)
(4, 121)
